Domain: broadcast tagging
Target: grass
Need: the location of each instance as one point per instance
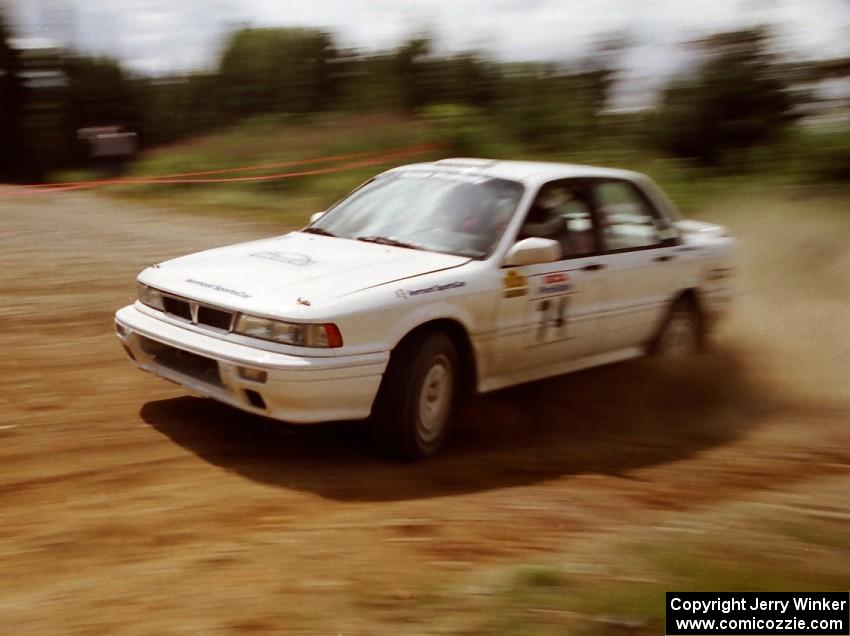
(272, 139)
(267, 140)
(616, 583)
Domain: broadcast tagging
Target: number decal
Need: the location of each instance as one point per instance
(552, 319)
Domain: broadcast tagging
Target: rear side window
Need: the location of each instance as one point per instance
(626, 219)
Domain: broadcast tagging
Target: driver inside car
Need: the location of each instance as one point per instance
(545, 218)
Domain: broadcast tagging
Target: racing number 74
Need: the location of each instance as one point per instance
(551, 324)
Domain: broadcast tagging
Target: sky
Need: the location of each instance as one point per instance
(164, 36)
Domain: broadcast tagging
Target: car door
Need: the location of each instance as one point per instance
(638, 245)
(548, 312)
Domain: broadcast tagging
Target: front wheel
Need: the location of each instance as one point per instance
(681, 333)
(418, 397)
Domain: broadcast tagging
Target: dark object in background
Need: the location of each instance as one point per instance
(109, 147)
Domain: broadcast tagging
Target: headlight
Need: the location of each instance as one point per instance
(298, 334)
(150, 297)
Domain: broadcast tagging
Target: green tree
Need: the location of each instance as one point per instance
(738, 98)
(99, 92)
(405, 78)
(277, 70)
(412, 70)
(552, 108)
(465, 78)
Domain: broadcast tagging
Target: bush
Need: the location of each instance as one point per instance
(468, 131)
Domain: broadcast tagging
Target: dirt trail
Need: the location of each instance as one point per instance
(127, 507)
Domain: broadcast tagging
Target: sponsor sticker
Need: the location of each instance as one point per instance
(219, 288)
(406, 293)
(553, 284)
(555, 277)
(550, 290)
(515, 284)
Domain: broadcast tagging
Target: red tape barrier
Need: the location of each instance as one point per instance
(368, 159)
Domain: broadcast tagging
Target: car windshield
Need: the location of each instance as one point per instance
(435, 211)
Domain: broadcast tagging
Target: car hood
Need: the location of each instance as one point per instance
(271, 275)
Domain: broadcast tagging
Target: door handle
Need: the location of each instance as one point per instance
(593, 267)
(666, 257)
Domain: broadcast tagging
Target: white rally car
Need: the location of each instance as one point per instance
(431, 283)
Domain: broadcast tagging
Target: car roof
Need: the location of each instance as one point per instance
(528, 172)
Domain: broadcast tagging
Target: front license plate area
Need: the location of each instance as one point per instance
(184, 362)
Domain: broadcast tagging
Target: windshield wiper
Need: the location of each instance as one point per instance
(383, 240)
(317, 230)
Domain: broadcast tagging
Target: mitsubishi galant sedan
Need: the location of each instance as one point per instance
(429, 284)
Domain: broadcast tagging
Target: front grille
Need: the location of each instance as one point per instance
(184, 362)
(202, 315)
(177, 307)
(214, 317)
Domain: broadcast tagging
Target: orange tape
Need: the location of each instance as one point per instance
(369, 159)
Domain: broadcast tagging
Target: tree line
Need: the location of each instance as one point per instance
(738, 96)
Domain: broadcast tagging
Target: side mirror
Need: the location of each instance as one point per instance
(316, 216)
(533, 250)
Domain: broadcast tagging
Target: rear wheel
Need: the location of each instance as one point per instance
(681, 333)
(418, 397)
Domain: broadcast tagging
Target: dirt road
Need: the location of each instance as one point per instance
(128, 508)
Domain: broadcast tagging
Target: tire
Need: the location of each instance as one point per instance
(418, 398)
(681, 333)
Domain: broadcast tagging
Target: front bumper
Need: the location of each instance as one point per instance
(296, 389)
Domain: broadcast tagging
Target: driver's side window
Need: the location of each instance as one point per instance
(561, 211)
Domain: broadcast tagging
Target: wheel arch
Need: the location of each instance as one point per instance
(691, 296)
(459, 335)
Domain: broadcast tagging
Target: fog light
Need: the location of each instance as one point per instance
(254, 375)
(255, 399)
